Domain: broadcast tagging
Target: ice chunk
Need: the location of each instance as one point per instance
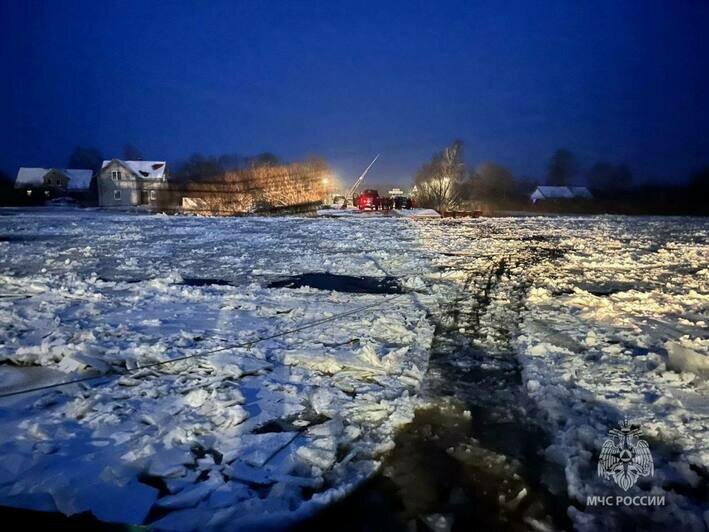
(190, 496)
(682, 359)
(254, 475)
(322, 458)
(228, 494)
(183, 520)
(197, 398)
(170, 462)
(261, 447)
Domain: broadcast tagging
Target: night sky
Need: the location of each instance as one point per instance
(622, 82)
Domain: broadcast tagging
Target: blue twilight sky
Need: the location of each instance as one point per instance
(617, 81)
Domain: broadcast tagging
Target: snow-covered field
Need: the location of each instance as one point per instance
(607, 316)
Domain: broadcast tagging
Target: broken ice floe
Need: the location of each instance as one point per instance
(266, 432)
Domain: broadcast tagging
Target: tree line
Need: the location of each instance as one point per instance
(445, 182)
(564, 170)
(196, 167)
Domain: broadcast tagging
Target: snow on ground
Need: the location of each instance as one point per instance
(265, 432)
(607, 316)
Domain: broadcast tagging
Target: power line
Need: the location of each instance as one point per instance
(250, 343)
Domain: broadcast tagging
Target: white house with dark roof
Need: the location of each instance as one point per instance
(130, 183)
(545, 193)
(53, 180)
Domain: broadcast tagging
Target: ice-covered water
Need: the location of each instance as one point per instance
(548, 332)
(266, 432)
(509, 437)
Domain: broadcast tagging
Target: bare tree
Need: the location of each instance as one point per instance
(439, 182)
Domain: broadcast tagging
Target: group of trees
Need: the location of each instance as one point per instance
(197, 167)
(562, 168)
(608, 177)
(492, 181)
(91, 158)
(445, 182)
(85, 157)
(602, 176)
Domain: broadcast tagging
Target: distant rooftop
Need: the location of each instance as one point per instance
(78, 178)
(549, 192)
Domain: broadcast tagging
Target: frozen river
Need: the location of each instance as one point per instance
(324, 352)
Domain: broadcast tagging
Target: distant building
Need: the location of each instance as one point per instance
(52, 181)
(131, 183)
(556, 193)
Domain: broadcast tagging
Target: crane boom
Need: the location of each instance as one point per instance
(360, 179)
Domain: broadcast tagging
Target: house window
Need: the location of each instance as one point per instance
(153, 194)
(117, 195)
(116, 175)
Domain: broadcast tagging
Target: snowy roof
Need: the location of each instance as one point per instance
(561, 192)
(78, 178)
(581, 192)
(31, 176)
(142, 169)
